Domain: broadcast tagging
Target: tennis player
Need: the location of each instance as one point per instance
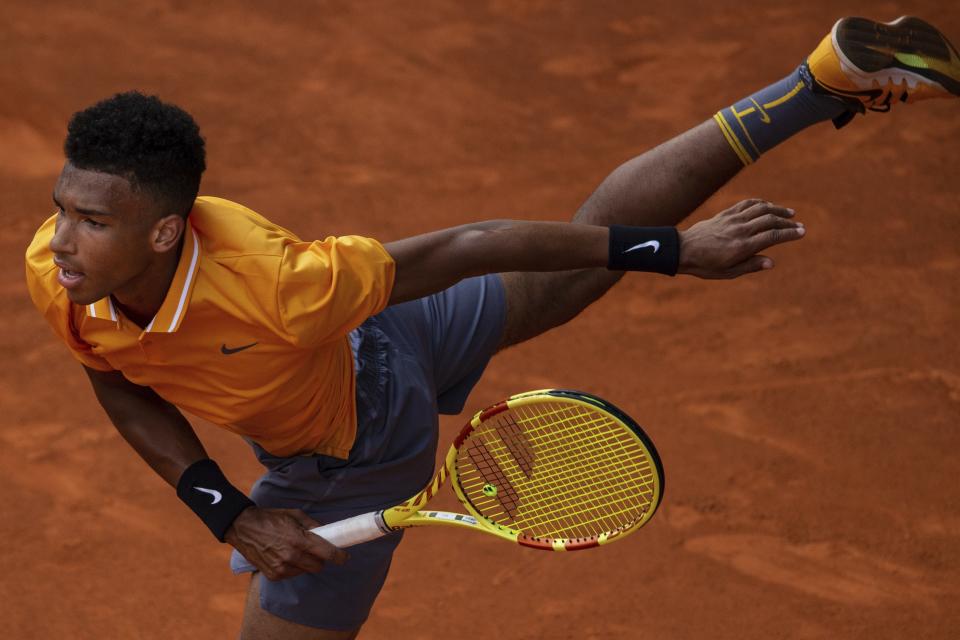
(334, 358)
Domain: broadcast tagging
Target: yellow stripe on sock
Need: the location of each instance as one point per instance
(732, 139)
(743, 127)
(786, 97)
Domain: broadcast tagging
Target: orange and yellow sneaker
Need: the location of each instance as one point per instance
(869, 65)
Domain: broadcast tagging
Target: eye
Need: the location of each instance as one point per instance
(93, 223)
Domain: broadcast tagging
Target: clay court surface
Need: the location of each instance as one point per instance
(808, 417)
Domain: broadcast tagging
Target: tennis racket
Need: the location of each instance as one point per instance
(552, 469)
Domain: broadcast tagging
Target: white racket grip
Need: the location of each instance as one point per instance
(362, 528)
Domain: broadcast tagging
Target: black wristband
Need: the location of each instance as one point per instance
(654, 249)
(205, 489)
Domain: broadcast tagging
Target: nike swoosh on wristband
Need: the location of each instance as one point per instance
(217, 496)
(643, 245)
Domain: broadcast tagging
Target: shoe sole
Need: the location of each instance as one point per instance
(906, 49)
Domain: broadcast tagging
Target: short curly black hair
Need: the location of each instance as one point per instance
(155, 145)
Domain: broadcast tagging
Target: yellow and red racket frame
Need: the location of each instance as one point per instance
(409, 513)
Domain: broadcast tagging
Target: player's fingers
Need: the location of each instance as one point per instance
(309, 554)
(765, 208)
(744, 205)
(275, 566)
(324, 549)
(305, 521)
(315, 545)
(770, 221)
(263, 565)
(768, 238)
(306, 561)
(270, 574)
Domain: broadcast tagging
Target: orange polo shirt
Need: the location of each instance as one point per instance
(252, 334)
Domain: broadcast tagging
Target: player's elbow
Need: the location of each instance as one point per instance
(484, 247)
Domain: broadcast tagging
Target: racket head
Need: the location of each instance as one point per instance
(557, 469)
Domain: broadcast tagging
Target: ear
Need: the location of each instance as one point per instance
(166, 232)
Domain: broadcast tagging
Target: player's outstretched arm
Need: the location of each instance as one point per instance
(725, 246)
(276, 541)
(431, 262)
(152, 426)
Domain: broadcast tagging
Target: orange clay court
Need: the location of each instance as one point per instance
(808, 418)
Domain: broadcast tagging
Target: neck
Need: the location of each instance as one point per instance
(141, 302)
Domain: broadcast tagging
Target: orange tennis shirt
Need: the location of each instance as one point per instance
(252, 334)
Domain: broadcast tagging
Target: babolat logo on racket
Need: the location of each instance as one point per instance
(519, 446)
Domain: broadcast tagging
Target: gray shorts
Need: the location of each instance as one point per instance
(413, 361)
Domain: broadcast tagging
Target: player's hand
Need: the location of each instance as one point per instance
(278, 542)
(728, 245)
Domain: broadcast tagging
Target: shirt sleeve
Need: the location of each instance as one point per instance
(327, 288)
(51, 300)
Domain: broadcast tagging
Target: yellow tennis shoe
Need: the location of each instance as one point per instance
(870, 65)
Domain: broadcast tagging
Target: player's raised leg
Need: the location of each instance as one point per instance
(860, 65)
(660, 187)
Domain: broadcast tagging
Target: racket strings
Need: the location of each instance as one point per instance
(610, 503)
(598, 491)
(566, 506)
(565, 471)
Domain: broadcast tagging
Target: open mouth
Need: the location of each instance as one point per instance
(69, 279)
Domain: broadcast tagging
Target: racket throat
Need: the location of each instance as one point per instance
(442, 518)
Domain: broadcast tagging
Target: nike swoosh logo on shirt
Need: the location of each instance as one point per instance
(225, 350)
(649, 243)
(217, 496)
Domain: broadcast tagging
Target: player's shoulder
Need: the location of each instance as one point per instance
(38, 256)
(41, 272)
(229, 230)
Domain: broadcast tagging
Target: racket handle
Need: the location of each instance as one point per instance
(362, 528)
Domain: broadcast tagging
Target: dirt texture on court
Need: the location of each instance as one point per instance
(808, 417)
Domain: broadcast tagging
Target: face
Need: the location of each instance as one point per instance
(109, 236)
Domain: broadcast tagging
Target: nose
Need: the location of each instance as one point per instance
(62, 240)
